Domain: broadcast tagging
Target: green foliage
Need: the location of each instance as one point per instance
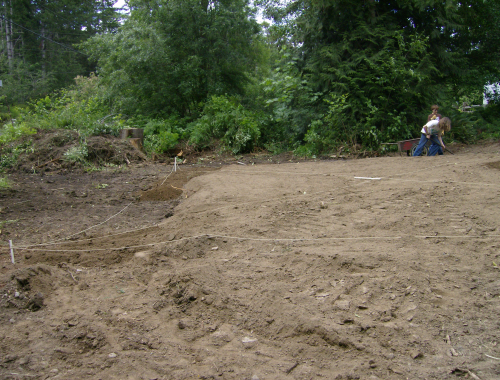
(367, 73)
(463, 126)
(290, 101)
(10, 153)
(162, 135)
(79, 108)
(225, 119)
(5, 183)
(481, 123)
(41, 56)
(491, 117)
(14, 130)
(172, 55)
(22, 81)
(77, 153)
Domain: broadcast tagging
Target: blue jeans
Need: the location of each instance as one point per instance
(420, 146)
(435, 147)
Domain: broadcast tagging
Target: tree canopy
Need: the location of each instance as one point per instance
(173, 54)
(38, 52)
(378, 65)
(318, 74)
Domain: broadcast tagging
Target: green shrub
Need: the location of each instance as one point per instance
(490, 129)
(160, 143)
(81, 108)
(225, 120)
(162, 135)
(13, 131)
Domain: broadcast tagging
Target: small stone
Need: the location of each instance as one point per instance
(17, 294)
(417, 354)
(249, 342)
(112, 355)
(24, 361)
(10, 358)
(343, 305)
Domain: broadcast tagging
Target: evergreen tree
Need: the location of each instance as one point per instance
(380, 64)
(38, 50)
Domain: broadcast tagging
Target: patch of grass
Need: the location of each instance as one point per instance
(5, 183)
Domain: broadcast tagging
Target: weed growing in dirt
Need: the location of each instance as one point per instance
(5, 222)
(10, 154)
(77, 153)
(5, 183)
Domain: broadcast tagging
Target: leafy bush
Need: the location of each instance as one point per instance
(162, 135)
(12, 131)
(160, 143)
(490, 129)
(228, 121)
(80, 108)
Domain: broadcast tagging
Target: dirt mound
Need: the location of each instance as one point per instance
(27, 287)
(63, 150)
(170, 187)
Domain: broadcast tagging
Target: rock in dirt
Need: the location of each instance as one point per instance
(249, 342)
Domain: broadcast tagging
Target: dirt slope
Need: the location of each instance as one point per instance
(377, 268)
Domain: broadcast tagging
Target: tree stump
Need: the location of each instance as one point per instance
(135, 136)
(136, 143)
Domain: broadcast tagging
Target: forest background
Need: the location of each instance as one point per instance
(316, 76)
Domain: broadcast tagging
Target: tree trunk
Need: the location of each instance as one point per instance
(42, 46)
(8, 33)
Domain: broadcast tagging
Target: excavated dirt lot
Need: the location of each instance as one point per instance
(376, 268)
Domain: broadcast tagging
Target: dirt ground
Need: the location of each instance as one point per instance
(375, 268)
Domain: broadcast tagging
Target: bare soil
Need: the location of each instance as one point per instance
(243, 268)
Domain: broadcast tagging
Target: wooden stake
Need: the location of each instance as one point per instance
(11, 252)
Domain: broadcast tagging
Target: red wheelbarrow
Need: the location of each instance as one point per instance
(410, 145)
